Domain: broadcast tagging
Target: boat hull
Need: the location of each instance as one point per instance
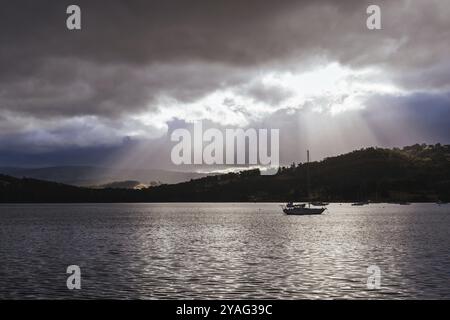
(303, 211)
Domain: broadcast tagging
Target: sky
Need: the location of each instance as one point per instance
(112, 92)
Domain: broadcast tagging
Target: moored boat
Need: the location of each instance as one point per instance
(301, 209)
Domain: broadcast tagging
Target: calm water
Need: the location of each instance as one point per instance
(152, 251)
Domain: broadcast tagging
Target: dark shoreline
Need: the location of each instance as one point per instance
(419, 173)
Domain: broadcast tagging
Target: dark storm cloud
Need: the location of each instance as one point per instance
(108, 67)
(420, 117)
(161, 30)
(111, 65)
(435, 76)
(74, 88)
(95, 155)
(61, 88)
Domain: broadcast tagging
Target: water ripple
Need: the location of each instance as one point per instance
(223, 251)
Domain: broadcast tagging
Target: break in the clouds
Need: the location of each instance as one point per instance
(138, 69)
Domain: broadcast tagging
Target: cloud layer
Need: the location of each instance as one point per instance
(139, 67)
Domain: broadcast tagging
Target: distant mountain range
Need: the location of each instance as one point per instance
(90, 176)
(414, 173)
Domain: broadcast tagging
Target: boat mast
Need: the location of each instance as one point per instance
(307, 178)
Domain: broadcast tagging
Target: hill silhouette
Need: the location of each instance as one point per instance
(88, 176)
(413, 173)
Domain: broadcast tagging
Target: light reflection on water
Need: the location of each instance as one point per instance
(227, 251)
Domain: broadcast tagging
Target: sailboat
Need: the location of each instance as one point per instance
(301, 209)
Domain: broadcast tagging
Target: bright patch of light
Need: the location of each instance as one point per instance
(330, 88)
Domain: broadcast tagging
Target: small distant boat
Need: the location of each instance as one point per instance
(360, 203)
(320, 203)
(301, 209)
(402, 203)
